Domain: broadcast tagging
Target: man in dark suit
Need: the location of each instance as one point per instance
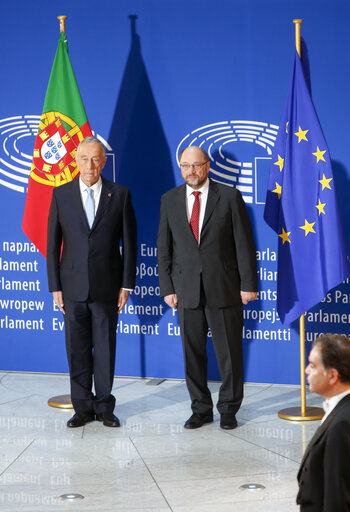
(207, 269)
(324, 474)
(91, 279)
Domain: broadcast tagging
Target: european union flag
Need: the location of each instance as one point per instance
(301, 206)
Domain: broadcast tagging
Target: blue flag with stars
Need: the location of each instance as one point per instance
(301, 207)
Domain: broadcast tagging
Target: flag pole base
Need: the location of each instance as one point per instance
(61, 402)
(295, 414)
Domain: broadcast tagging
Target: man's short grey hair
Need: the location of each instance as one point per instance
(92, 140)
(204, 153)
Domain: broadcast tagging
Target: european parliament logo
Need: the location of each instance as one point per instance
(17, 139)
(240, 154)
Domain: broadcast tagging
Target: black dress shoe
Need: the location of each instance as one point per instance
(228, 421)
(79, 421)
(196, 421)
(109, 420)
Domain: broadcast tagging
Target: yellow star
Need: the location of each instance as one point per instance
(320, 206)
(287, 123)
(301, 134)
(319, 154)
(278, 190)
(308, 227)
(285, 236)
(280, 163)
(325, 182)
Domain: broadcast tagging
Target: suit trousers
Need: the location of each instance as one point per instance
(90, 329)
(226, 326)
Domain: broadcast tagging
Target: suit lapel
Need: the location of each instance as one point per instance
(76, 200)
(105, 198)
(181, 208)
(213, 198)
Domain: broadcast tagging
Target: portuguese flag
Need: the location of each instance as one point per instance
(63, 125)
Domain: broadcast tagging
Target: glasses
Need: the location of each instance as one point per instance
(196, 167)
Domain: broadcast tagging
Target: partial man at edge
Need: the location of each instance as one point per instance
(324, 474)
(207, 270)
(91, 279)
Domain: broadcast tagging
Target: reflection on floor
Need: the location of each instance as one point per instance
(150, 463)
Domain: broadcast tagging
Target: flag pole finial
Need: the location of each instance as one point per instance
(297, 24)
(62, 20)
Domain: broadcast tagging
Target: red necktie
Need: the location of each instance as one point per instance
(194, 222)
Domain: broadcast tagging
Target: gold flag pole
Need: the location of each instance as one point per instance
(61, 401)
(301, 413)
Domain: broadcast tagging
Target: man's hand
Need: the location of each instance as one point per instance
(58, 300)
(122, 298)
(171, 300)
(248, 296)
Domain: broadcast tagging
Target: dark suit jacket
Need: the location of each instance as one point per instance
(324, 474)
(91, 262)
(225, 257)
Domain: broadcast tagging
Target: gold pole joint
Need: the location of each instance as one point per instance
(62, 20)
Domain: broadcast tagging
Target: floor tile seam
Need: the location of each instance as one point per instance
(3, 375)
(17, 399)
(289, 458)
(174, 400)
(156, 395)
(151, 475)
(132, 438)
(253, 502)
(279, 443)
(203, 455)
(259, 474)
(269, 386)
(234, 504)
(145, 380)
(125, 385)
(267, 471)
(219, 432)
(170, 401)
(280, 403)
(250, 421)
(262, 447)
(16, 458)
(82, 432)
(141, 436)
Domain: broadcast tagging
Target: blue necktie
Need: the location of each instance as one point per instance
(90, 207)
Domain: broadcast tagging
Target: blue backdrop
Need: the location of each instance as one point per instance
(155, 76)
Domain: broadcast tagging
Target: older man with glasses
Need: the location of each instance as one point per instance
(207, 270)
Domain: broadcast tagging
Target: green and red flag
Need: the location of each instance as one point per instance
(63, 125)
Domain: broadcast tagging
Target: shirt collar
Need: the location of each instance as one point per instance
(96, 187)
(203, 189)
(328, 405)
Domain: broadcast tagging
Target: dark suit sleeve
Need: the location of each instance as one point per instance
(337, 468)
(245, 246)
(54, 243)
(165, 249)
(129, 244)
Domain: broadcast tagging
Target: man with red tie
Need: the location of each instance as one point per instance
(207, 270)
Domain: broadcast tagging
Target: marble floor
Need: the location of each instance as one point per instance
(150, 463)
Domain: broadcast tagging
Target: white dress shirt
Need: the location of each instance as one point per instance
(329, 405)
(96, 192)
(203, 197)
